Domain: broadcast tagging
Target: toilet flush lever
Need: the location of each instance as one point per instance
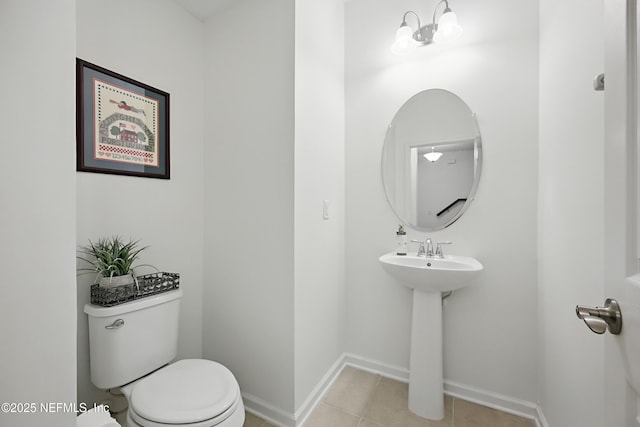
(118, 323)
(599, 319)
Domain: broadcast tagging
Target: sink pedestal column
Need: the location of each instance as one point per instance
(426, 397)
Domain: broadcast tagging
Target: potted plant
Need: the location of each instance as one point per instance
(112, 260)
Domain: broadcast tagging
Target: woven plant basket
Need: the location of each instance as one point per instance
(149, 284)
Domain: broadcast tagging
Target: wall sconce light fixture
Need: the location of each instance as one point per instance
(445, 28)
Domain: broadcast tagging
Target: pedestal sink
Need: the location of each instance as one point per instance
(428, 277)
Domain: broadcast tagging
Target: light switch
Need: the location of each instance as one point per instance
(325, 209)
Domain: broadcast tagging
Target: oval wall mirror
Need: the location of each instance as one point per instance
(431, 160)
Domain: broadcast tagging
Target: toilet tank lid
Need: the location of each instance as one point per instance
(128, 307)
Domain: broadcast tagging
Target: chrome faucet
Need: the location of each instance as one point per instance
(425, 248)
(428, 247)
(439, 253)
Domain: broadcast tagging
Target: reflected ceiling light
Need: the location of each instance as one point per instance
(433, 156)
(446, 28)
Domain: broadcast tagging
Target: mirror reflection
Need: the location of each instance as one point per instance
(431, 160)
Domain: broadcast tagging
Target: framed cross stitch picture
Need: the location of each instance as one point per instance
(122, 125)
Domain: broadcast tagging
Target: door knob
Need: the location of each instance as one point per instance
(596, 324)
(599, 319)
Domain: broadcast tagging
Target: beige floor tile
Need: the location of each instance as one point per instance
(352, 390)
(251, 420)
(388, 407)
(467, 414)
(329, 416)
(382, 402)
(367, 423)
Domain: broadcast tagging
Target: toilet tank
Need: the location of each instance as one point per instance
(130, 340)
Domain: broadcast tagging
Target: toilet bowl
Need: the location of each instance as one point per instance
(189, 392)
(132, 346)
(96, 417)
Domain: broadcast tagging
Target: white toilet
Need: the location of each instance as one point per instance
(131, 345)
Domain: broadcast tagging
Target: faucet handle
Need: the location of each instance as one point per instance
(420, 243)
(439, 253)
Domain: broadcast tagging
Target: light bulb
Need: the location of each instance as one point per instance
(404, 40)
(448, 28)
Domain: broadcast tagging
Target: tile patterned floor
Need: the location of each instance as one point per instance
(362, 399)
(251, 420)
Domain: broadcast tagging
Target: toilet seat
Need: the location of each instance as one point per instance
(233, 417)
(194, 392)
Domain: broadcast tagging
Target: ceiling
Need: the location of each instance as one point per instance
(203, 9)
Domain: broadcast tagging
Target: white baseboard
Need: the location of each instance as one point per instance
(319, 391)
(282, 418)
(266, 411)
(390, 371)
(486, 398)
(510, 405)
(541, 421)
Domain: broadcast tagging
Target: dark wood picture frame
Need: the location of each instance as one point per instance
(122, 125)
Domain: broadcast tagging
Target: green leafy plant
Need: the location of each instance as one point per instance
(111, 257)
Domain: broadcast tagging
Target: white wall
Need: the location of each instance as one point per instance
(319, 175)
(490, 329)
(37, 217)
(275, 295)
(161, 45)
(249, 199)
(570, 210)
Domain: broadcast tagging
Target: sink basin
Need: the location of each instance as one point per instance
(431, 274)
